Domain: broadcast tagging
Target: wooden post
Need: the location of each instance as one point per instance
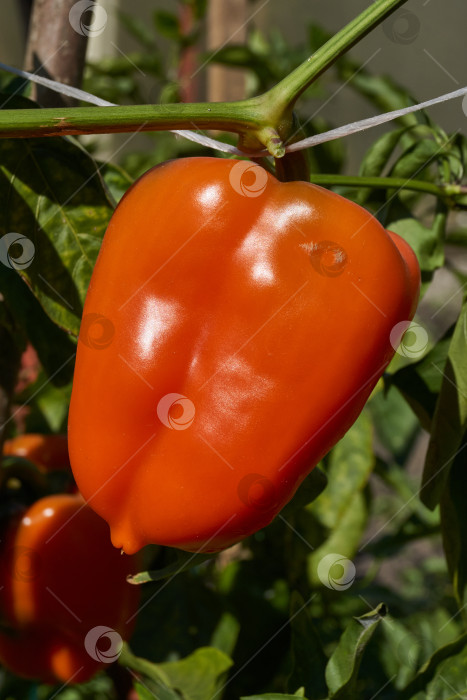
(226, 24)
(56, 49)
(187, 69)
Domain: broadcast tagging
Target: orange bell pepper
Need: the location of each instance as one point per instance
(65, 603)
(233, 330)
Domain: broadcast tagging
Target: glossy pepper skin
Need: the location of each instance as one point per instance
(60, 578)
(48, 452)
(267, 307)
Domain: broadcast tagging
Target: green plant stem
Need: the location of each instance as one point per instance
(264, 121)
(146, 668)
(228, 116)
(398, 183)
(291, 87)
(183, 561)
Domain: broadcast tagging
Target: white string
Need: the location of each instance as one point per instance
(330, 135)
(92, 99)
(370, 122)
(59, 87)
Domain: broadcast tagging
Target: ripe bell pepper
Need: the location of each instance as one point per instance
(233, 330)
(63, 592)
(48, 452)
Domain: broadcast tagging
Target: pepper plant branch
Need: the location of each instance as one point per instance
(128, 660)
(284, 95)
(398, 183)
(263, 121)
(229, 116)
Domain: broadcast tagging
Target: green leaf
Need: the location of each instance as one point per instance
(394, 422)
(454, 156)
(156, 690)
(54, 347)
(450, 682)
(416, 159)
(449, 423)
(377, 156)
(330, 564)
(454, 525)
(420, 382)
(241, 56)
(11, 99)
(143, 693)
(446, 667)
(350, 465)
(226, 634)
(341, 508)
(167, 24)
(53, 402)
(402, 649)
(427, 243)
(308, 491)
(382, 91)
(55, 198)
(117, 180)
(235, 55)
(343, 666)
(308, 657)
(138, 28)
(272, 696)
(197, 676)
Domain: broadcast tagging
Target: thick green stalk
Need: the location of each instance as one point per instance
(234, 116)
(285, 94)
